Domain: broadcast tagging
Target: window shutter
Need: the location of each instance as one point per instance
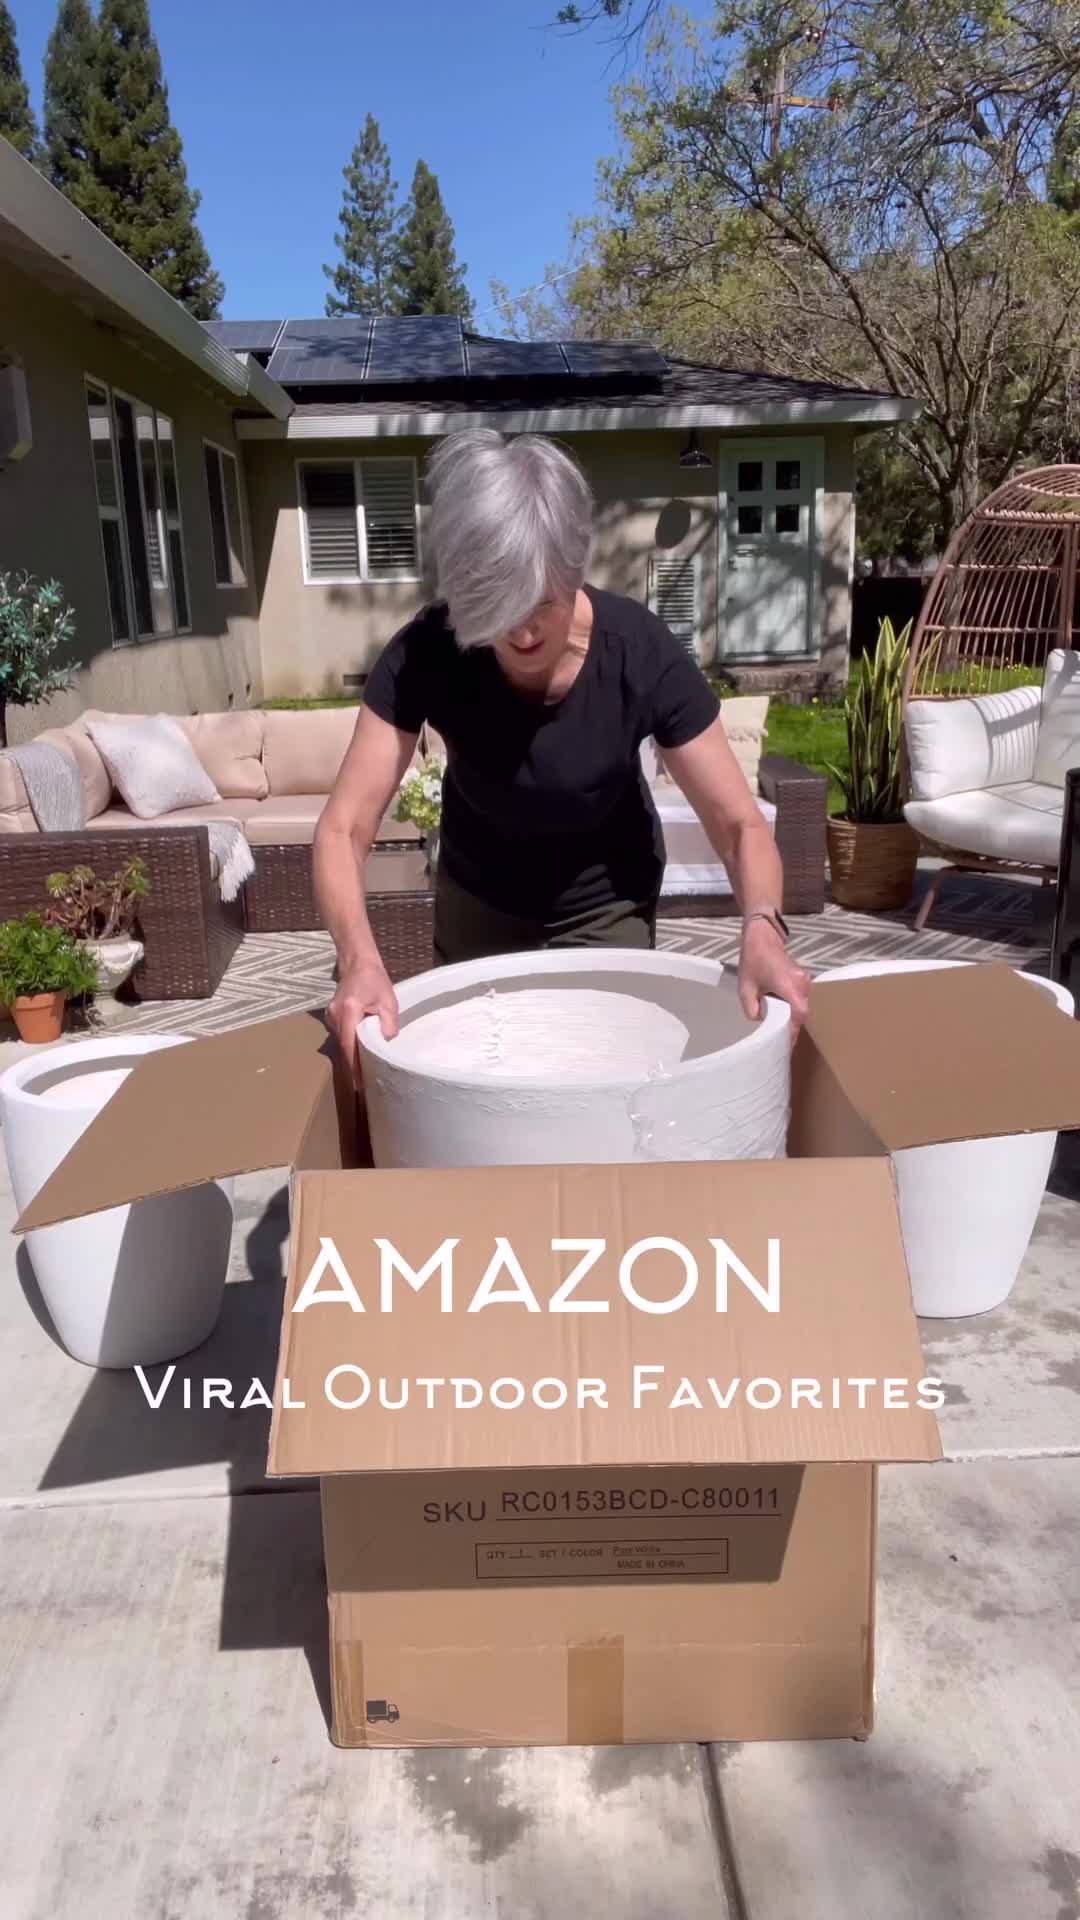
(674, 596)
(333, 539)
(390, 519)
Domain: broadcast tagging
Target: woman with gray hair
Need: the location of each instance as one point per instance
(544, 689)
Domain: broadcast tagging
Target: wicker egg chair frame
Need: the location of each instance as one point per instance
(1004, 596)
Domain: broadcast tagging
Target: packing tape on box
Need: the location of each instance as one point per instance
(594, 1694)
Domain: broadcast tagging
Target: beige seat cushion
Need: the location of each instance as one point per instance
(303, 751)
(96, 780)
(1018, 822)
(230, 747)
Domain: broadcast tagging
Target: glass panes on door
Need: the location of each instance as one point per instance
(107, 483)
(139, 514)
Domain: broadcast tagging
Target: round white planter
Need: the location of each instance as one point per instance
(968, 1207)
(726, 1099)
(135, 1285)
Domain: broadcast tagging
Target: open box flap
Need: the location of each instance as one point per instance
(963, 1053)
(215, 1107)
(844, 1312)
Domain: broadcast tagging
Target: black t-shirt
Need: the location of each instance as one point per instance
(546, 811)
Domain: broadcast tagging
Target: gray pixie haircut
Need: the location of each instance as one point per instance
(510, 526)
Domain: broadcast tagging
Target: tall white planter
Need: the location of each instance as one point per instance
(967, 1208)
(134, 1285)
(726, 1098)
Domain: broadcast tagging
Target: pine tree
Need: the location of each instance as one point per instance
(136, 186)
(427, 276)
(362, 276)
(17, 123)
(69, 72)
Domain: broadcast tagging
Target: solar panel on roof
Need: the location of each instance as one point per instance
(244, 336)
(523, 359)
(602, 359)
(323, 352)
(416, 346)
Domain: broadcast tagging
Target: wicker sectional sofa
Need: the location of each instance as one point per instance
(273, 770)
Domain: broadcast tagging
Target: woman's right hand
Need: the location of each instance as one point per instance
(363, 988)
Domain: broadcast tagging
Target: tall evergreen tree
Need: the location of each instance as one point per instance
(69, 75)
(361, 279)
(17, 123)
(136, 186)
(427, 275)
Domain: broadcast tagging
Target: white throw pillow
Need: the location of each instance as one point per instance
(957, 746)
(1059, 725)
(152, 764)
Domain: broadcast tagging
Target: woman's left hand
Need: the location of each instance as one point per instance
(766, 967)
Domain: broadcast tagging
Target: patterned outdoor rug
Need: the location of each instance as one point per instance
(976, 919)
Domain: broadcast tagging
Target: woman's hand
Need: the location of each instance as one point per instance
(766, 967)
(363, 987)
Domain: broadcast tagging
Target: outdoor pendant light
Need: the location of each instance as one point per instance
(694, 456)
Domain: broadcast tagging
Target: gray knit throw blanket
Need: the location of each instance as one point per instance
(53, 787)
(55, 792)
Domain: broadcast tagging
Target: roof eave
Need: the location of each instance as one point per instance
(854, 411)
(55, 227)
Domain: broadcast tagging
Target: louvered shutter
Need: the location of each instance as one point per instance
(674, 597)
(389, 488)
(333, 538)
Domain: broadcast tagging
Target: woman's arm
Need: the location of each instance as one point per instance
(377, 759)
(709, 775)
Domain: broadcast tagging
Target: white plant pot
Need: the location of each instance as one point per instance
(967, 1208)
(135, 1285)
(727, 1098)
(115, 961)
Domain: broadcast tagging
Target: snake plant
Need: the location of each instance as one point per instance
(873, 784)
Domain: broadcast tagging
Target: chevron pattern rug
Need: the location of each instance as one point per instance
(977, 919)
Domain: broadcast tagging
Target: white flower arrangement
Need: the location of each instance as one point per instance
(420, 795)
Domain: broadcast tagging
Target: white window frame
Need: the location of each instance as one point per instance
(241, 579)
(138, 635)
(363, 578)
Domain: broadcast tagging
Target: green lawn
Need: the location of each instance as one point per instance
(815, 736)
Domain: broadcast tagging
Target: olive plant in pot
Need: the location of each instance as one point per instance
(41, 969)
(101, 914)
(872, 850)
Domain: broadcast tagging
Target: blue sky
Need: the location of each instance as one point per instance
(268, 99)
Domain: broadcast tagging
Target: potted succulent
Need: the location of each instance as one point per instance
(872, 850)
(420, 800)
(101, 915)
(41, 968)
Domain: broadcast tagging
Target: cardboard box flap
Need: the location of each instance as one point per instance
(963, 1053)
(225, 1105)
(785, 1276)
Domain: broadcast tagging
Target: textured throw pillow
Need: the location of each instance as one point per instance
(154, 767)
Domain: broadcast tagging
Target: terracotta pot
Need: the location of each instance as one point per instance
(39, 1016)
(872, 868)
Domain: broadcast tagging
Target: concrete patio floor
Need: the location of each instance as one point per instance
(163, 1671)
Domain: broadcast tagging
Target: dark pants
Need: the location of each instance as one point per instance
(468, 929)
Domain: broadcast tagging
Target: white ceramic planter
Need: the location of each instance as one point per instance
(726, 1099)
(967, 1208)
(134, 1285)
(116, 961)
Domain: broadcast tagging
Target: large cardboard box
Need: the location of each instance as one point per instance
(599, 1445)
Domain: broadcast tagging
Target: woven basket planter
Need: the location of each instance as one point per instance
(872, 867)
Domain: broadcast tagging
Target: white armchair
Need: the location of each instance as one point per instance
(987, 774)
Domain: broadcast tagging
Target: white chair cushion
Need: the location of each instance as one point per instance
(692, 864)
(1059, 724)
(957, 745)
(152, 764)
(1017, 822)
